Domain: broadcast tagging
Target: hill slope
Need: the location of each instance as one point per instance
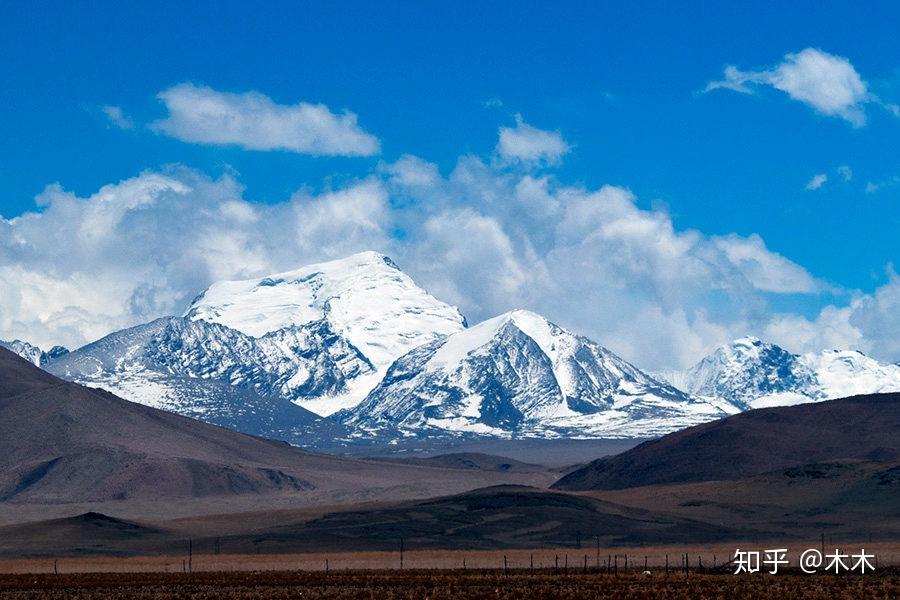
(754, 442)
(61, 442)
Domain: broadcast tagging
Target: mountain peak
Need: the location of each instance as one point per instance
(747, 340)
(460, 345)
(751, 373)
(32, 353)
(363, 299)
(364, 287)
(519, 374)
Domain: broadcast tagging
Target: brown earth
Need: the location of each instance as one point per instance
(752, 443)
(106, 477)
(447, 585)
(67, 448)
(841, 500)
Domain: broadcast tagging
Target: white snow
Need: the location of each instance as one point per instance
(539, 381)
(364, 297)
(27, 351)
(745, 369)
(461, 344)
(356, 390)
(556, 343)
(780, 399)
(844, 373)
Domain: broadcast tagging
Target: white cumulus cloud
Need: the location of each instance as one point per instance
(484, 237)
(530, 144)
(827, 83)
(252, 120)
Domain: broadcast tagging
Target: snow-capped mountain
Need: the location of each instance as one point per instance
(247, 353)
(750, 373)
(363, 303)
(357, 339)
(520, 375)
(135, 364)
(32, 353)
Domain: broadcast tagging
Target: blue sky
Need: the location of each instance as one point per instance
(622, 84)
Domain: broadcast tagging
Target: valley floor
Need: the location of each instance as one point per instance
(447, 585)
(566, 560)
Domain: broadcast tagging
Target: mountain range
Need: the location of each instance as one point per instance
(519, 374)
(110, 477)
(32, 353)
(353, 350)
(749, 373)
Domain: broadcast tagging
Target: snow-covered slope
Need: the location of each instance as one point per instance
(321, 337)
(32, 353)
(365, 302)
(365, 298)
(750, 373)
(198, 379)
(520, 375)
(844, 373)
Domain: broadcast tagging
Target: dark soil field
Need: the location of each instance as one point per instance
(446, 585)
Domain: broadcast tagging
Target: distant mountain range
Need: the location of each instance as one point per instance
(32, 353)
(749, 373)
(353, 350)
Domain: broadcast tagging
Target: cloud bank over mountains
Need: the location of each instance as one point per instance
(495, 233)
